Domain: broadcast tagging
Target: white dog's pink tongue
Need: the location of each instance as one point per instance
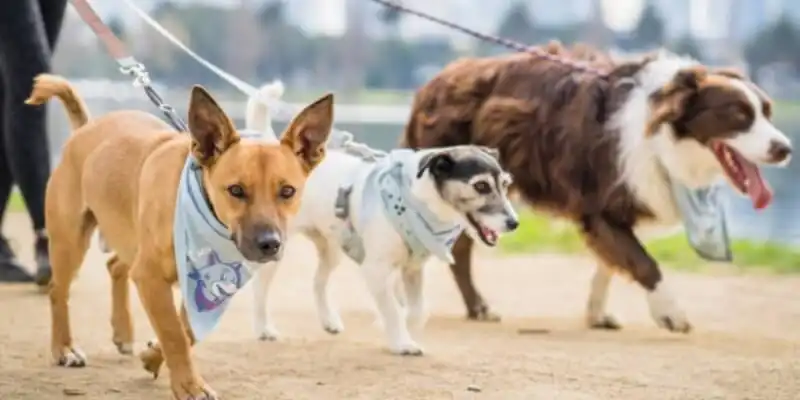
(489, 234)
(757, 188)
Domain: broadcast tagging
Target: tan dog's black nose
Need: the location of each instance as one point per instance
(779, 152)
(269, 243)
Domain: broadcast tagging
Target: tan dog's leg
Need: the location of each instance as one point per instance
(121, 321)
(153, 357)
(173, 336)
(69, 241)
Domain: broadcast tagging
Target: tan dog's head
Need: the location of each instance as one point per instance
(254, 187)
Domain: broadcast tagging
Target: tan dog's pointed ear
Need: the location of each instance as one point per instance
(211, 129)
(308, 132)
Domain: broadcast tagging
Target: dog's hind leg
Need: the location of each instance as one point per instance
(121, 321)
(380, 277)
(596, 316)
(329, 258)
(70, 234)
(263, 323)
(477, 309)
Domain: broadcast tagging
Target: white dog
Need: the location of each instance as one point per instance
(389, 213)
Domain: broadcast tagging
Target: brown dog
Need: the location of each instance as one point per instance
(119, 173)
(604, 151)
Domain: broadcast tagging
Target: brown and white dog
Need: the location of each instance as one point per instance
(601, 150)
(119, 173)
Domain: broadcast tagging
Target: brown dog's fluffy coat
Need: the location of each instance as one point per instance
(119, 173)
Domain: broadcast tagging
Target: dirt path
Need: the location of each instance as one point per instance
(745, 345)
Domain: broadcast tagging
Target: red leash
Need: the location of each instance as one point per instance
(513, 45)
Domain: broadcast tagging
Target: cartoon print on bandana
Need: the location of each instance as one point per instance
(214, 281)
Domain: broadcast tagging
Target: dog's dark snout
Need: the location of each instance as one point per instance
(512, 224)
(779, 151)
(269, 242)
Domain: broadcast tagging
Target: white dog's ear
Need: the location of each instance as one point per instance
(491, 151)
(439, 163)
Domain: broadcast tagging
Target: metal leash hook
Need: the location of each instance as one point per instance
(127, 64)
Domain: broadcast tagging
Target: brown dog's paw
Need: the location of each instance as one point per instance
(188, 387)
(483, 314)
(152, 359)
(70, 357)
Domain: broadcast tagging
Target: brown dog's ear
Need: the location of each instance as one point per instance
(730, 73)
(211, 129)
(670, 101)
(308, 132)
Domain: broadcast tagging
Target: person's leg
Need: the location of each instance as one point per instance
(25, 53)
(10, 268)
(53, 16)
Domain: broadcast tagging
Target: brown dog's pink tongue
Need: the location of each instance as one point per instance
(757, 188)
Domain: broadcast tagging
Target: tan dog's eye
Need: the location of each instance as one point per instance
(236, 191)
(287, 192)
(482, 187)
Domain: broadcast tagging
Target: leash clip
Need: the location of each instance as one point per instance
(139, 73)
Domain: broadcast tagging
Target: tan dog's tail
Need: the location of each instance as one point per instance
(46, 86)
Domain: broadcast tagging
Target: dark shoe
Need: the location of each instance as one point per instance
(42, 255)
(10, 268)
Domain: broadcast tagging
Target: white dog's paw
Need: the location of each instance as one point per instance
(406, 348)
(666, 312)
(268, 333)
(332, 323)
(416, 319)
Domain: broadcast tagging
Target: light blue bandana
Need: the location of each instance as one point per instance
(388, 187)
(704, 221)
(210, 267)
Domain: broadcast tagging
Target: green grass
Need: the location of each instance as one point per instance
(538, 233)
(16, 203)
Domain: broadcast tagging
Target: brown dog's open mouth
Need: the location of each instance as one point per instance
(488, 235)
(743, 174)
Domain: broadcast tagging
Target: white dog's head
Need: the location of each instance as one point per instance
(467, 183)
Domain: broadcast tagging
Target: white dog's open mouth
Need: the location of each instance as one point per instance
(743, 174)
(488, 235)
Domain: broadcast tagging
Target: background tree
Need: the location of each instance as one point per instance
(649, 31)
(687, 45)
(779, 42)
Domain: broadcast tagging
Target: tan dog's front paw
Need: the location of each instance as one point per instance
(70, 357)
(191, 387)
(152, 359)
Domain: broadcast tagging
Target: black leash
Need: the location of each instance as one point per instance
(127, 64)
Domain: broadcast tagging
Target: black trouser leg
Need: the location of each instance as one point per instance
(25, 52)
